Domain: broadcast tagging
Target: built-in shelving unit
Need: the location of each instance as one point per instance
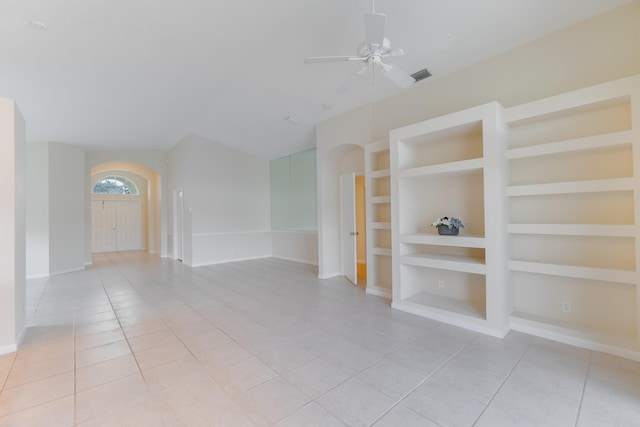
(378, 214)
(574, 210)
(451, 165)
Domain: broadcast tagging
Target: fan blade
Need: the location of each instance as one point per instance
(374, 28)
(351, 80)
(320, 59)
(397, 76)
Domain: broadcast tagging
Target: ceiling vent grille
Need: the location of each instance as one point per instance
(421, 75)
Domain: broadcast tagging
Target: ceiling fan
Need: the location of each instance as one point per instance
(371, 51)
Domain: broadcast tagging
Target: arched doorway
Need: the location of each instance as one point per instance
(128, 217)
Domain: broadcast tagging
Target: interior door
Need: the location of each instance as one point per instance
(128, 228)
(348, 226)
(103, 218)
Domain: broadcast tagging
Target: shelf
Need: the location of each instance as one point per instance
(381, 225)
(381, 251)
(381, 173)
(576, 144)
(445, 262)
(437, 240)
(596, 230)
(445, 305)
(592, 186)
(543, 326)
(443, 169)
(377, 146)
(379, 199)
(601, 274)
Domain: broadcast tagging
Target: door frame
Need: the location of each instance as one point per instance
(178, 224)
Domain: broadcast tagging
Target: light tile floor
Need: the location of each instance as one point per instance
(137, 340)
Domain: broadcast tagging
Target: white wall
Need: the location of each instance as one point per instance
(37, 209)
(12, 226)
(597, 50)
(298, 246)
(227, 213)
(68, 188)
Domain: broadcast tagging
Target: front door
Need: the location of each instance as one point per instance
(116, 225)
(103, 222)
(128, 225)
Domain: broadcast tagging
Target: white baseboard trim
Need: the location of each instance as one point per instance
(380, 292)
(576, 341)
(11, 348)
(301, 261)
(204, 264)
(88, 264)
(37, 276)
(330, 276)
(71, 270)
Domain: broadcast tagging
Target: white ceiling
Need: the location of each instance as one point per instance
(145, 73)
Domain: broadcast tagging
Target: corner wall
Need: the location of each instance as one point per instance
(37, 210)
(12, 226)
(227, 209)
(67, 194)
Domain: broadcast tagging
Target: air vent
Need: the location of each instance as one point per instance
(421, 75)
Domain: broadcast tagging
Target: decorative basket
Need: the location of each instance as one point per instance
(443, 230)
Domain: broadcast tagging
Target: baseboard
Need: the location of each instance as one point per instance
(204, 264)
(576, 341)
(12, 348)
(71, 270)
(37, 276)
(6, 349)
(380, 292)
(301, 261)
(330, 276)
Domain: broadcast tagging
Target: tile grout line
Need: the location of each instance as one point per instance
(174, 334)
(75, 366)
(421, 382)
(584, 388)
(4, 382)
(120, 324)
(515, 365)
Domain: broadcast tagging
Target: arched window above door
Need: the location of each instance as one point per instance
(115, 185)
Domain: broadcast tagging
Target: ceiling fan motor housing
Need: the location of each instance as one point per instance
(365, 49)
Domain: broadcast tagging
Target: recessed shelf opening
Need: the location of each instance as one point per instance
(605, 309)
(617, 253)
(593, 119)
(462, 293)
(605, 163)
(458, 143)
